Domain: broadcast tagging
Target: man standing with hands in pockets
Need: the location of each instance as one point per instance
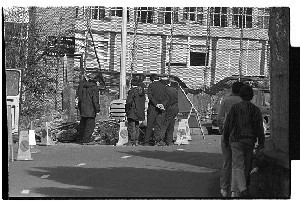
(88, 105)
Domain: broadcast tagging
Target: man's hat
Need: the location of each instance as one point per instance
(92, 76)
(135, 82)
(164, 78)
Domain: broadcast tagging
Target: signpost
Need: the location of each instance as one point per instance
(13, 93)
(10, 140)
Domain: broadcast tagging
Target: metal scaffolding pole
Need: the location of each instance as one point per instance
(123, 55)
(241, 46)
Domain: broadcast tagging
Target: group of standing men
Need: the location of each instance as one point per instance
(161, 113)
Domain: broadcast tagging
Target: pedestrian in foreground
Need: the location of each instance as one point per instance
(88, 105)
(225, 107)
(157, 96)
(135, 111)
(171, 112)
(243, 128)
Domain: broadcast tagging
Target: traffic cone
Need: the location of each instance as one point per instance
(181, 134)
(123, 134)
(32, 141)
(187, 129)
(24, 148)
(45, 138)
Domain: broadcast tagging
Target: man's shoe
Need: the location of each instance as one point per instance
(244, 193)
(224, 193)
(234, 194)
(88, 143)
(128, 144)
(161, 143)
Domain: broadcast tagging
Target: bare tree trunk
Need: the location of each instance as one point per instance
(279, 34)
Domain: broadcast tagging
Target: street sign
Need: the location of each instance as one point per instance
(13, 93)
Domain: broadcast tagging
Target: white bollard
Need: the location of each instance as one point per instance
(123, 134)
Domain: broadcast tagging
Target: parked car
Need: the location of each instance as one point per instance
(261, 99)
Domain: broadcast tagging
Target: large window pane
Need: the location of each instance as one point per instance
(197, 59)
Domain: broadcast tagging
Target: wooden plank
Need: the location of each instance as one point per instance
(118, 114)
(117, 110)
(117, 106)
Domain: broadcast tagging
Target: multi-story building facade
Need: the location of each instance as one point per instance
(200, 45)
(207, 44)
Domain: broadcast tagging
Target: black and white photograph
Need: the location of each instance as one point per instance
(184, 101)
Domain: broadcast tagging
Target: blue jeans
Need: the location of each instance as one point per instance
(226, 168)
(242, 155)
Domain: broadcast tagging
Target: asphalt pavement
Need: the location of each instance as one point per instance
(69, 170)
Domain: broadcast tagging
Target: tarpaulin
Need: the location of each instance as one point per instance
(184, 104)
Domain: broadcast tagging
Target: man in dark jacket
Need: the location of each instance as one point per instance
(88, 105)
(157, 96)
(171, 112)
(243, 128)
(135, 111)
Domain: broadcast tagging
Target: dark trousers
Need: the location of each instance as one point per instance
(168, 127)
(155, 119)
(133, 129)
(86, 128)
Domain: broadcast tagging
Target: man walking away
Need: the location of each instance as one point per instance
(171, 112)
(157, 96)
(88, 105)
(243, 127)
(226, 151)
(135, 111)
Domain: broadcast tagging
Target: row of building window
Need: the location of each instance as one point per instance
(219, 16)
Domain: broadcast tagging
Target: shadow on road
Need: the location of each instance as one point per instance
(127, 182)
(136, 181)
(200, 159)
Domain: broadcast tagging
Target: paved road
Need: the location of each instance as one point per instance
(72, 170)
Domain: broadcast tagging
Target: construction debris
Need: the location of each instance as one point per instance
(106, 132)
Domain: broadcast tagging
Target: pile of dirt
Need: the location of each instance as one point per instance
(106, 132)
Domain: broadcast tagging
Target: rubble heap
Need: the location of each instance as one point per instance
(66, 132)
(106, 132)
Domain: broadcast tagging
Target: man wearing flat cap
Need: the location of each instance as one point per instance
(88, 105)
(135, 110)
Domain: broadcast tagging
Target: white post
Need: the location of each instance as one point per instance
(123, 55)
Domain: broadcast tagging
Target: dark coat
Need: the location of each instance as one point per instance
(172, 105)
(135, 104)
(157, 94)
(88, 99)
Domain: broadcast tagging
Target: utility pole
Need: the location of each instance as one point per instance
(123, 55)
(279, 32)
